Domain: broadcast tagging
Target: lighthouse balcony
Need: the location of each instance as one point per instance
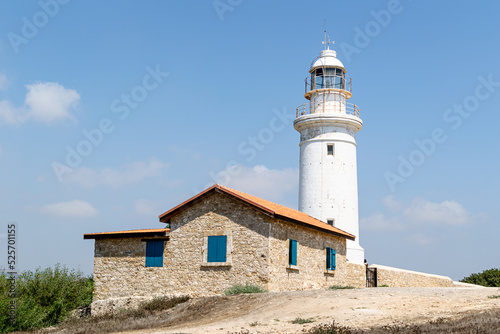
(328, 108)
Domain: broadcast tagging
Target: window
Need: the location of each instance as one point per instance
(329, 149)
(330, 258)
(292, 252)
(217, 245)
(330, 222)
(154, 253)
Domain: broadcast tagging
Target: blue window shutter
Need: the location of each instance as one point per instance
(159, 253)
(332, 259)
(292, 256)
(149, 252)
(154, 253)
(221, 250)
(212, 249)
(217, 245)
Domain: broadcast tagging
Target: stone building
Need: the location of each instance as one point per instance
(218, 238)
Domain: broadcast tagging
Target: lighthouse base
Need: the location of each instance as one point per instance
(355, 253)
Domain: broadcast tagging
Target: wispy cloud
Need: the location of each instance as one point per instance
(419, 211)
(72, 209)
(45, 102)
(378, 221)
(3, 81)
(419, 239)
(129, 174)
(148, 207)
(270, 184)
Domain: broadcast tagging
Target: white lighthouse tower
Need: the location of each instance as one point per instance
(328, 186)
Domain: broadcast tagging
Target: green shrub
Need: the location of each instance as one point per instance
(332, 329)
(247, 288)
(301, 321)
(43, 297)
(490, 278)
(340, 287)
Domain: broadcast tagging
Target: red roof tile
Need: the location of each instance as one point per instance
(275, 210)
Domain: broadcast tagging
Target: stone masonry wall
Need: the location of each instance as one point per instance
(248, 247)
(310, 272)
(119, 270)
(394, 277)
(119, 264)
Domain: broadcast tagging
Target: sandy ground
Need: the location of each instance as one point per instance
(362, 308)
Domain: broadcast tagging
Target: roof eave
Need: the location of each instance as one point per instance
(344, 235)
(97, 236)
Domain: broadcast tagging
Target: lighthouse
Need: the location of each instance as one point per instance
(328, 186)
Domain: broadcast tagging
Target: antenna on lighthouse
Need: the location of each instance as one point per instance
(327, 42)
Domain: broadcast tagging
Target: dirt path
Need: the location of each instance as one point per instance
(361, 308)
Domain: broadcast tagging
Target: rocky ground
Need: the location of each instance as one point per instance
(357, 308)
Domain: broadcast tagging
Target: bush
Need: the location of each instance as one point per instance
(331, 329)
(340, 287)
(301, 321)
(489, 278)
(43, 298)
(143, 316)
(247, 288)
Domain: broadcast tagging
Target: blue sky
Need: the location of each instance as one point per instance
(113, 112)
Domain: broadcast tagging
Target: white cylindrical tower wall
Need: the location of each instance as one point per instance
(328, 102)
(328, 187)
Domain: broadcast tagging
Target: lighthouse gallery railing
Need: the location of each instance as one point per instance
(342, 109)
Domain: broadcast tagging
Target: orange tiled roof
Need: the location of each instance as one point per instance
(275, 210)
(140, 232)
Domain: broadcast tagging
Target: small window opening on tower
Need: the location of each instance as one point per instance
(330, 222)
(329, 149)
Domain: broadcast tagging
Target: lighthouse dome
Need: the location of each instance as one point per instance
(327, 58)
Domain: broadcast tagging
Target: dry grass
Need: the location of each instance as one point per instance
(482, 322)
(148, 314)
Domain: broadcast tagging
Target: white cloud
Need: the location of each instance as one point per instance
(419, 211)
(379, 221)
(3, 81)
(270, 184)
(129, 174)
(148, 207)
(419, 239)
(72, 209)
(391, 204)
(446, 212)
(9, 114)
(45, 102)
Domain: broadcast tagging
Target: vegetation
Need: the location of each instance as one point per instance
(41, 298)
(490, 278)
(301, 321)
(483, 322)
(247, 288)
(340, 287)
(143, 316)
